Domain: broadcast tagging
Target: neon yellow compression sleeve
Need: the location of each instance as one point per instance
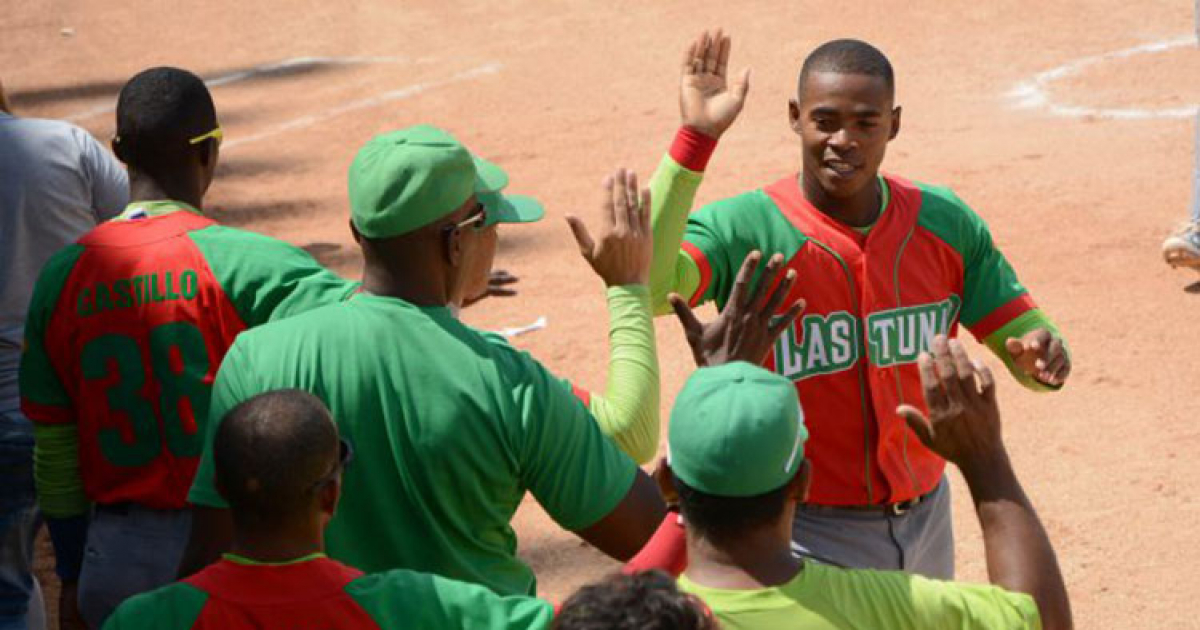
(56, 470)
(627, 411)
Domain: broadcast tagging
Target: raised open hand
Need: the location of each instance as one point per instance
(963, 425)
(746, 328)
(707, 102)
(622, 255)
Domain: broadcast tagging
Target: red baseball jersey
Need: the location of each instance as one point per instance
(127, 328)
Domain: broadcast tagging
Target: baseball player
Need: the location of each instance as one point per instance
(279, 463)
(453, 426)
(125, 332)
(885, 264)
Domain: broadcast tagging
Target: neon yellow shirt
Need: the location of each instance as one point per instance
(822, 597)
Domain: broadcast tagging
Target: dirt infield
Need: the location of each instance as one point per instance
(559, 92)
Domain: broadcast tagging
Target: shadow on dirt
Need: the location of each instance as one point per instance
(35, 96)
(241, 214)
(236, 167)
(1193, 288)
(346, 261)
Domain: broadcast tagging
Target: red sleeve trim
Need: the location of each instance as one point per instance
(666, 550)
(1001, 316)
(705, 271)
(46, 414)
(692, 149)
(582, 394)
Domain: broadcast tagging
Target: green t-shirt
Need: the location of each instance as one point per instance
(822, 597)
(450, 428)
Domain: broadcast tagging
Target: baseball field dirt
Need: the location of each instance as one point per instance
(561, 92)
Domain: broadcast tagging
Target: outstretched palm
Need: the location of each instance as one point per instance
(707, 102)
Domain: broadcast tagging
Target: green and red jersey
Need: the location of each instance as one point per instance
(874, 303)
(125, 333)
(316, 593)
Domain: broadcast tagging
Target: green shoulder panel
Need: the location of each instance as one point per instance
(407, 599)
(266, 278)
(39, 382)
(726, 231)
(174, 607)
(989, 281)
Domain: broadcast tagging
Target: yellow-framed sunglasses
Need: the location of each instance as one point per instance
(217, 134)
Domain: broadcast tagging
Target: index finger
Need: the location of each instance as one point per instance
(935, 397)
(688, 65)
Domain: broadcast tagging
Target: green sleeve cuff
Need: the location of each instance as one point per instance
(1020, 326)
(627, 411)
(672, 194)
(56, 470)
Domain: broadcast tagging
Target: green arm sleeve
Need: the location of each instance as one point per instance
(627, 411)
(56, 470)
(234, 384)
(672, 193)
(1022, 325)
(265, 278)
(576, 473)
(406, 599)
(956, 605)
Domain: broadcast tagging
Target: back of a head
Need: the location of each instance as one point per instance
(847, 56)
(646, 601)
(158, 111)
(268, 453)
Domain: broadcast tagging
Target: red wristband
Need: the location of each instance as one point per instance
(692, 148)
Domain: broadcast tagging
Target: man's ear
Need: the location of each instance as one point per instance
(453, 247)
(895, 123)
(794, 116)
(329, 496)
(665, 478)
(118, 149)
(801, 482)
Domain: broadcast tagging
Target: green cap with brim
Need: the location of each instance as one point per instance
(736, 430)
(407, 179)
(510, 208)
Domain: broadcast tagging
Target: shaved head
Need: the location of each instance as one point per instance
(271, 454)
(847, 56)
(158, 111)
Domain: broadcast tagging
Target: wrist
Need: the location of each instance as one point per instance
(988, 475)
(693, 147)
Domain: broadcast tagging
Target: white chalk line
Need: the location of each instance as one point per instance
(1032, 93)
(365, 103)
(242, 75)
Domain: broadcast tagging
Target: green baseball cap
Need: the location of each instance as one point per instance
(736, 430)
(407, 179)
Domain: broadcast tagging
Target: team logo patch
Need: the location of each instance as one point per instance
(900, 335)
(818, 344)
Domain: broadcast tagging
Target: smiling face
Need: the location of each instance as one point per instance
(845, 122)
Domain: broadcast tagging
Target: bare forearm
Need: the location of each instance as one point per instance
(1019, 554)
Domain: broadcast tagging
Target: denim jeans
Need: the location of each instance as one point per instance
(19, 519)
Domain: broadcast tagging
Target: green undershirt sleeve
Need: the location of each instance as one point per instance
(1020, 326)
(56, 470)
(627, 411)
(672, 193)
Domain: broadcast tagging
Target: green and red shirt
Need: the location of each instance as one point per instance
(316, 593)
(125, 333)
(874, 303)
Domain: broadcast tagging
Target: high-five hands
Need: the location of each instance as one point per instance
(1041, 355)
(707, 102)
(963, 425)
(622, 255)
(746, 329)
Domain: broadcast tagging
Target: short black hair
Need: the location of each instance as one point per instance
(847, 56)
(158, 111)
(650, 600)
(720, 519)
(269, 452)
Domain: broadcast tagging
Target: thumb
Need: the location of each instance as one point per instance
(1014, 346)
(741, 86)
(582, 237)
(918, 423)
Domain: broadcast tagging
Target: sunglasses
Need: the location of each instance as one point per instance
(217, 134)
(345, 455)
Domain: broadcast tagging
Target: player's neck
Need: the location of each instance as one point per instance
(276, 546)
(757, 560)
(145, 188)
(858, 210)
